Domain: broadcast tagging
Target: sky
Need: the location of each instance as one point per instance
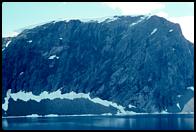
(18, 15)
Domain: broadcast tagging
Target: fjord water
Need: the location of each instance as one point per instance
(135, 122)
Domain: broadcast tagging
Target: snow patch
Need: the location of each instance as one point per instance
(164, 112)
(126, 113)
(140, 20)
(178, 106)
(30, 41)
(26, 96)
(148, 16)
(111, 19)
(108, 114)
(186, 112)
(33, 115)
(104, 114)
(51, 115)
(131, 106)
(21, 73)
(132, 24)
(171, 30)
(153, 31)
(53, 56)
(5, 105)
(179, 96)
(8, 43)
(60, 38)
(99, 20)
(191, 88)
(3, 49)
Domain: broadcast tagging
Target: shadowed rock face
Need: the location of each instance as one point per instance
(66, 107)
(145, 62)
(5, 41)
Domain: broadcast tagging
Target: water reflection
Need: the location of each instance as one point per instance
(189, 123)
(105, 122)
(132, 123)
(4, 123)
(139, 122)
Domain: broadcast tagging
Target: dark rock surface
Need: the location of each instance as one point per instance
(5, 41)
(113, 60)
(56, 106)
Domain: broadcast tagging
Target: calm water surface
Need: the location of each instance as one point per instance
(136, 122)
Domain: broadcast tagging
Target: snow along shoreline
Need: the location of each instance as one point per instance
(26, 96)
(104, 114)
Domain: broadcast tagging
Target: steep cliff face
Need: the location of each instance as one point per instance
(141, 61)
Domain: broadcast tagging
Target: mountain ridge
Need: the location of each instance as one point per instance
(123, 60)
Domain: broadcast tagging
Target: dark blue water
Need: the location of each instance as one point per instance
(136, 122)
